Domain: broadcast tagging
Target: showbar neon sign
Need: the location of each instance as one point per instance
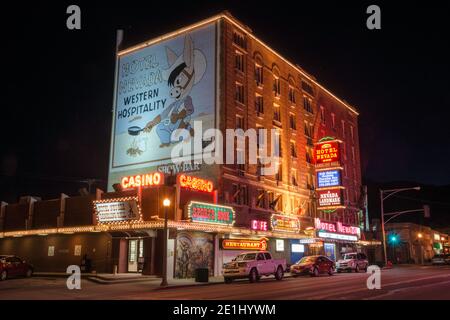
(142, 180)
(195, 183)
(210, 213)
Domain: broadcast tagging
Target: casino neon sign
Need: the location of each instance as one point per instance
(195, 183)
(142, 180)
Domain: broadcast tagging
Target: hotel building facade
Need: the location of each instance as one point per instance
(226, 77)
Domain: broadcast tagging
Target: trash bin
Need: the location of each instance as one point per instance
(202, 275)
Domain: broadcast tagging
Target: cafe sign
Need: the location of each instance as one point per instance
(244, 244)
(117, 210)
(281, 222)
(210, 213)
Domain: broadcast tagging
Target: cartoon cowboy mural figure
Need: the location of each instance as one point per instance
(183, 73)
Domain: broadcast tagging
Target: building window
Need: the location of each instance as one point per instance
(293, 149)
(292, 121)
(308, 130)
(260, 137)
(309, 182)
(259, 75)
(294, 181)
(239, 61)
(276, 113)
(276, 86)
(322, 114)
(240, 194)
(240, 159)
(307, 88)
(343, 129)
(278, 151)
(351, 133)
(239, 122)
(307, 104)
(333, 121)
(309, 155)
(239, 39)
(353, 154)
(259, 104)
(279, 174)
(240, 93)
(291, 94)
(260, 200)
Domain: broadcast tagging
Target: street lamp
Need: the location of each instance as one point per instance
(420, 236)
(384, 194)
(166, 204)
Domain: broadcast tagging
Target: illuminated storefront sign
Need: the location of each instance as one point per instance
(336, 230)
(326, 152)
(307, 241)
(259, 225)
(329, 178)
(244, 244)
(437, 237)
(210, 213)
(329, 198)
(195, 183)
(280, 222)
(297, 247)
(279, 245)
(117, 210)
(142, 180)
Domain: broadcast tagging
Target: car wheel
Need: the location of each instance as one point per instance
(339, 270)
(315, 272)
(228, 280)
(4, 275)
(279, 274)
(357, 269)
(253, 277)
(29, 273)
(330, 271)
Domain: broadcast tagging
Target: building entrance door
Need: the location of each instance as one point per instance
(133, 255)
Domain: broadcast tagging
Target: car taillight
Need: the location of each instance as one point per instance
(242, 264)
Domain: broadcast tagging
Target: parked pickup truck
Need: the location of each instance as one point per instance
(253, 265)
(352, 262)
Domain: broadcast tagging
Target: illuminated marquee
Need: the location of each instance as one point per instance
(142, 180)
(244, 244)
(118, 210)
(210, 213)
(328, 198)
(326, 152)
(336, 230)
(195, 183)
(259, 225)
(285, 223)
(329, 178)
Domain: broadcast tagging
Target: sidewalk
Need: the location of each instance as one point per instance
(153, 281)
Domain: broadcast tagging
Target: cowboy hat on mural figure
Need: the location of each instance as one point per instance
(183, 73)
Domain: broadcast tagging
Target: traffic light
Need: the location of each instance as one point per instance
(393, 238)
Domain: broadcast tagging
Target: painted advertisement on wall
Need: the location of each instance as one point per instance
(194, 250)
(161, 90)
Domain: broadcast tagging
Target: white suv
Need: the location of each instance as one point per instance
(352, 262)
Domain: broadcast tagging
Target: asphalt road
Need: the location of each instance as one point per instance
(416, 282)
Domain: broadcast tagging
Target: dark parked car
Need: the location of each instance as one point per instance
(313, 265)
(13, 266)
(440, 259)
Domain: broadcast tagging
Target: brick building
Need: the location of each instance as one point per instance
(252, 87)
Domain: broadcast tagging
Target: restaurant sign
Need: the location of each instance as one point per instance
(281, 222)
(244, 244)
(117, 210)
(210, 213)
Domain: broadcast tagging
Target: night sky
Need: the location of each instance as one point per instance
(58, 84)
